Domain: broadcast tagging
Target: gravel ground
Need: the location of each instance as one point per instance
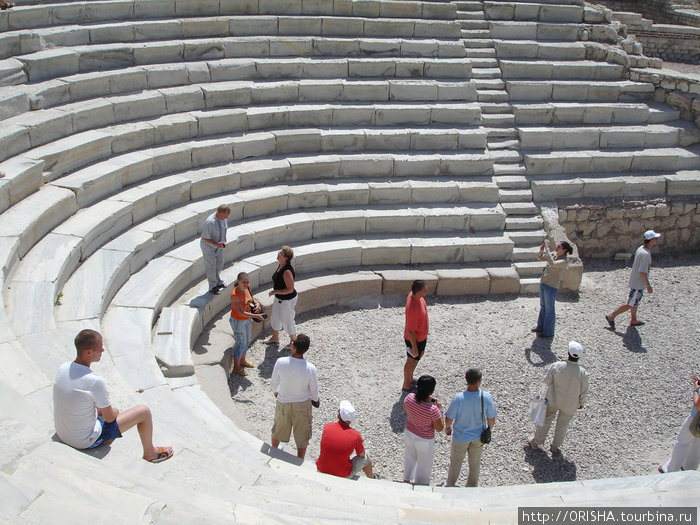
(639, 377)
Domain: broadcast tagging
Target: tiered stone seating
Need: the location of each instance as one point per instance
(385, 140)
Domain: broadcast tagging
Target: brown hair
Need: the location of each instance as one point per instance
(86, 339)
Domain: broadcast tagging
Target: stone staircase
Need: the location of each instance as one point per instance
(384, 140)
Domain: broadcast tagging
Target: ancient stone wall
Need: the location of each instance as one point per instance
(660, 11)
(674, 46)
(601, 230)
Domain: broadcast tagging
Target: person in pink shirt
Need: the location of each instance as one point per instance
(423, 417)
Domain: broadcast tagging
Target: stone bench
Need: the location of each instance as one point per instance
(508, 49)
(535, 31)
(533, 11)
(571, 113)
(197, 123)
(153, 90)
(595, 161)
(634, 185)
(53, 63)
(26, 17)
(93, 227)
(561, 70)
(593, 137)
(234, 36)
(568, 91)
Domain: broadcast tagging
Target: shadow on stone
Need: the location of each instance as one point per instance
(97, 452)
(280, 454)
(397, 420)
(548, 469)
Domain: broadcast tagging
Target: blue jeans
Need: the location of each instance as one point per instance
(548, 316)
(242, 333)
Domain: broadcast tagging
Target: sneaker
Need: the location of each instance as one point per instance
(611, 322)
(215, 290)
(533, 445)
(554, 450)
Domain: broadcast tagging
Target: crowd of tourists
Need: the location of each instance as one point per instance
(85, 418)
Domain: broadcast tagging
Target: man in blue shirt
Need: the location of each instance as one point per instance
(465, 412)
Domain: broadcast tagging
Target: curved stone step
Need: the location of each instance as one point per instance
(570, 90)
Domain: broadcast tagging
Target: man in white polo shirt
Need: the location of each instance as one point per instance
(295, 385)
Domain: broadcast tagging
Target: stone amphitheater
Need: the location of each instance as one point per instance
(378, 137)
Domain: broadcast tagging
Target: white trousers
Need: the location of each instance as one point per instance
(686, 450)
(418, 458)
(282, 316)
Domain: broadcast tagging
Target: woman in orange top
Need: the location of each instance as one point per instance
(242, 303)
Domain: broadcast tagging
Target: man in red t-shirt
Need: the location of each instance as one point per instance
(338, 442)
(415, 333)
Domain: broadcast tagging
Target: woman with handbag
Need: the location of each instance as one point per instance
(423, 417)
(686, 451)
(242, 303)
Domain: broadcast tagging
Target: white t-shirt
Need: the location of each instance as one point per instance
(77, 394)
(294, 380)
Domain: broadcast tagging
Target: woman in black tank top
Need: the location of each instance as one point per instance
(285, 296)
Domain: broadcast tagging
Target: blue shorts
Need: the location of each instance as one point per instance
(635, 297)
(110, 431)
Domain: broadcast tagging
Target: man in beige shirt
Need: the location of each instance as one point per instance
(567, 387)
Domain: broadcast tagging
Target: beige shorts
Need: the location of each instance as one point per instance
(295, 416)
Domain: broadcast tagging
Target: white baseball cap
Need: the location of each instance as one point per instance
(575, 349)
(346, 411)
(651, 234)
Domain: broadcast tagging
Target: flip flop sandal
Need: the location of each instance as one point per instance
(163, 454)
(8, 5)
(248, 364)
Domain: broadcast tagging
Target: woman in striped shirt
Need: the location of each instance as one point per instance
(424, 417)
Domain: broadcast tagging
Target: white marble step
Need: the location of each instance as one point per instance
(43, 15)
(519, 208)
(533, 11)
(596, 161)
(571, 113)
(529, 285)
(632, 185)
(524, 223)
(532, 49)
(509, 195)
(560, 69)
(570, 90)
(530, 269)
(594, 137)
(527, 237)
(516, 30)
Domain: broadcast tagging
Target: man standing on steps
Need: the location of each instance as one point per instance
(295, 385)
(639, 280)
(83, 414)
(415, 331)
(213, 242)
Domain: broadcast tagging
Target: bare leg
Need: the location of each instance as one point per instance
(633, 318)
(301, 452)
(621, 309)
(367, 469)
(274, 442)
(140, 416)
(408, 369)
(274, 337)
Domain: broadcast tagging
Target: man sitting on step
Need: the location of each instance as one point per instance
(83, 414)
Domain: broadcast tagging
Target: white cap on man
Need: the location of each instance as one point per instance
(346, 411)
(651, 234)
(575, 349)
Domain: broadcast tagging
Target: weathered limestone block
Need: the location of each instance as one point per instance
(462, 281)
(503, 280)
(50, 63)
(399, 281)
